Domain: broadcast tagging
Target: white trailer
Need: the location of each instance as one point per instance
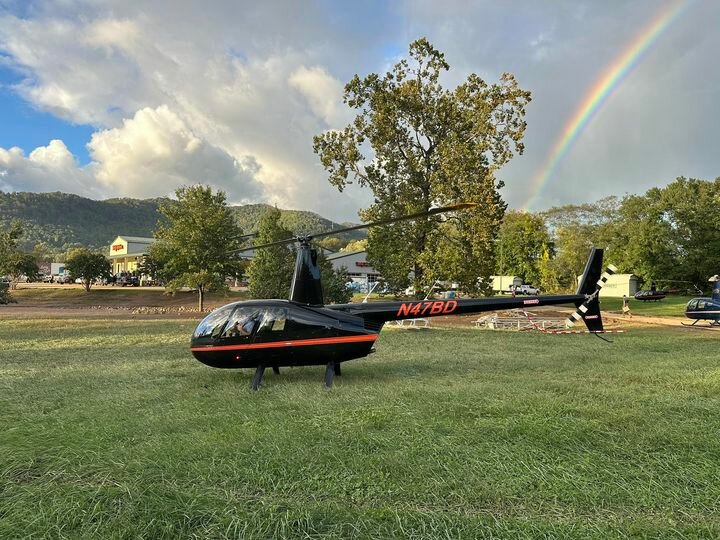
(57, 269)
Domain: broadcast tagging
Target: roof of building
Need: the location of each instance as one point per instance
(137, 239)
(341, 254)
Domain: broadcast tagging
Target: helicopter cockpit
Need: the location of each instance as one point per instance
(238, 323)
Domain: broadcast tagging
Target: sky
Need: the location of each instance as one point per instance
(107, 98)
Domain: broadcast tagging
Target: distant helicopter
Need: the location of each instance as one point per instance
(705, 309)
(302, 331)
(653, 295)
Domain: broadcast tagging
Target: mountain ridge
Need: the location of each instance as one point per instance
(63, 220)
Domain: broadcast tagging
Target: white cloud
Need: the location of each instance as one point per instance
(323, 92)
(155, 152)
(47, 168)
(150, 155)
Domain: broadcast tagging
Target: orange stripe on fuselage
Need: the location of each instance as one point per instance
(292, 343)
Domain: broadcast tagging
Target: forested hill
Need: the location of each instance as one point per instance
(297, 221)
(61, 220)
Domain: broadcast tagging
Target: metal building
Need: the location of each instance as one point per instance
(618, 285)
(127, 252)
(357, 267)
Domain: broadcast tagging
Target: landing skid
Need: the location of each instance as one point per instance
(712, 323)
(331, 371)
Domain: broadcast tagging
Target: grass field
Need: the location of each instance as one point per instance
(109, 429)
(670, 306)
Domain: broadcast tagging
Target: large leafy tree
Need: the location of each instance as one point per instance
(524, 243)
(671, 233)
(87, 266)
(428, 146)
(13, 262)
(574, 230)
(271, 270)
(194, 244)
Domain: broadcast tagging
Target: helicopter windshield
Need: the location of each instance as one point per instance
(213, 324)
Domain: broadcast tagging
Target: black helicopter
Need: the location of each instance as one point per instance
(653, 295)
(705, 309)
(302, 331)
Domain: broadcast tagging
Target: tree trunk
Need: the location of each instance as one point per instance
(200, 297)
(87, 283)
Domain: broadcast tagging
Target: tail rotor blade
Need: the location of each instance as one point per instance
(581, 311)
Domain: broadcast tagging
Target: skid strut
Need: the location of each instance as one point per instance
(332, 369)
(257, 379)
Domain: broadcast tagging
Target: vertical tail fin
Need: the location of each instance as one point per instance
(591, 283)
(715, 280)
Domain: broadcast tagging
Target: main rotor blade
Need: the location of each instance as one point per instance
(434, 211)
(270, 244)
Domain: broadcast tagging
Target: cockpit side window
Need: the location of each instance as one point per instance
(242, 322)
(271, 321)
(213, 324)
(701, 304)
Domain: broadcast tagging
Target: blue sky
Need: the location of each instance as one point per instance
(26, 127)
(143, 97)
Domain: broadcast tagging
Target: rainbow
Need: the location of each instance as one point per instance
(604, 86)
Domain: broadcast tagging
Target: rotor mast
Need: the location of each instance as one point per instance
(306, 286)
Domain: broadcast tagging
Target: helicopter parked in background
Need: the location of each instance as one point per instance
(302, 331)
(653, 295)
(705, 309)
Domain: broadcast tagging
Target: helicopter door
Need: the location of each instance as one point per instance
(290, 329)
(308, 331)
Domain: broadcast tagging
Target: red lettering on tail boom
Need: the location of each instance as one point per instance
(426, 308)
(404, 310)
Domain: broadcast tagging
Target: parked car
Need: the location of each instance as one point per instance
(527, 289)
(126, 279)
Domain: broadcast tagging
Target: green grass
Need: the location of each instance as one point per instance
(109, 429)
(670, 306)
